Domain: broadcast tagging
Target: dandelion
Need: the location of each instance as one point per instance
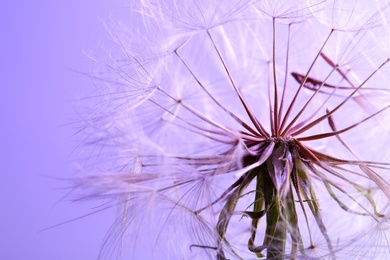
(245, 129)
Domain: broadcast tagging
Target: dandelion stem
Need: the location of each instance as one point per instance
(275, 238)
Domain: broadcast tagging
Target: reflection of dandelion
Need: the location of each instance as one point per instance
(246, 129)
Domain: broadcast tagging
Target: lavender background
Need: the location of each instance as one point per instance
(39, 40)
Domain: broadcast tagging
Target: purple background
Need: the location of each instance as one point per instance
(39, 40)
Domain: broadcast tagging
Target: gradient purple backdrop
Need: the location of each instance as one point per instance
(39, 40)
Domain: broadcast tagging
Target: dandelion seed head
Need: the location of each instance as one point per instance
(245, 129)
